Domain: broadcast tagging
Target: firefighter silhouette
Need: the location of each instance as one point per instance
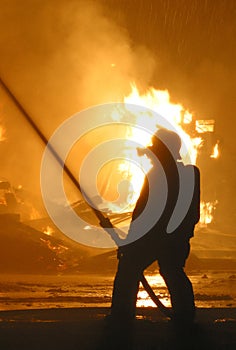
(170, 250)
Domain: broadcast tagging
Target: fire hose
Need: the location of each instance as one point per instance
(104, 222)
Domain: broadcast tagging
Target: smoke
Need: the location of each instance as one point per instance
(59, 57)
(63, 55)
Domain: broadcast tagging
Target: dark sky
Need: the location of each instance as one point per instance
(56, 57)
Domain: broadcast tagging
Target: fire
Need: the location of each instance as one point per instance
(215, 153)
(48, 231)
(159, 102)
(203, 126)
(190, 130)
(206, 210)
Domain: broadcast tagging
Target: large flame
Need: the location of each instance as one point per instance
(181, 121)
(159, 102)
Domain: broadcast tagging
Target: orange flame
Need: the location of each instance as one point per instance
(206, 212)
(157, 102)
(215, 153)
(48, 231)
(160, 103)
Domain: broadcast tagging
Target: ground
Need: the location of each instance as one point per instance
(86, 329)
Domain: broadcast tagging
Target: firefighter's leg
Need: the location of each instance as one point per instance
(131, 264)
(125, 288)
(178, 284)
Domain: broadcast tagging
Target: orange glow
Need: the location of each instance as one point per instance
(34, 214)
(203, 126)
(143, 300)
(160, 103)
(59, 248)
(206, 210)
(215, 153)
(2, 133)
(48, 231)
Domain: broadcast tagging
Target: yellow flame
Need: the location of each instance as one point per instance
(215, 153)
(206, 212)
(187, 118)
(48, 231)
(203, 126)
(158, 103)
(174, 117)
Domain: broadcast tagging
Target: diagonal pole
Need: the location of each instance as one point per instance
(104, 222)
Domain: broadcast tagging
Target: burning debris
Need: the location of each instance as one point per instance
(13, 201)
(48, 230)
(8, 199)
(206, 212)
(203, 126)
(196, 134)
